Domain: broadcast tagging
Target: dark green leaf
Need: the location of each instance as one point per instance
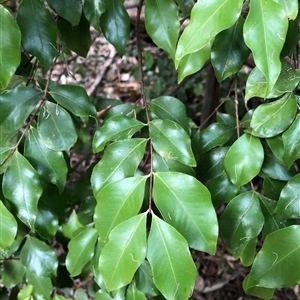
(124, 253)
(115, 25)
(42, 286)
(5, 153)
(38, 33)
(276, 145)
(134, 294)
(101, 295)
(174, 272)
(186, 204)
(56, 127)
(272, 187)
(22, 187)
(93, 10)
(12, 273)
(9, 47)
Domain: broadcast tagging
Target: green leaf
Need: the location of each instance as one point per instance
(288, 205)
(174, 272)
(74, 98)
(115, 25)
(22, 187)
(163, 28)
(115, 128)
(67, 9)
(8, 227)
(120, 160)
(124, 253)
(9, 47)
(165, 135)
(170, 108)
(292, 38)
(276, 145)
(134, 294)
(42, 286)
(49, 164)
(241, 221)
(290, 7)
(38, 257)
(229, 51)
(25, 293)
(203, 19)
(5, 153)
(71, 226)
(81, 250)
(101, 295)
(291, 142)
(272, 187)
(38, 33)
(117, 202)
(186, 204)
(77, 38)
(56, 127)
(258, 291)
(244, 159)
(265, 30)
(16, 106)
(93, 10)
(277, 264)
(248, 253)
(12, 273)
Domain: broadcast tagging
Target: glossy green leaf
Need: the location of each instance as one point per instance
(174, 272)
(289, 201)
(38, 34)
(8, 227)
(16, 106)
(163, 28)
(93, 10)
(261, 292)
(291, 142)
(276, 145)
(38, 257)
(56, 127)
(5, 153)
(229, 51)
(241, 221)
(165, 135)
(277, 264)
(290, 7)
(248, 253)
(203, 19)
(21, 186)
(12, 273)
(265, 30)
(115, 25)
(134, 294)
(292, 38)
(101, 295)
(170, 108)
(115, 128)
(120, 160)
(244, 159)
(74, 98)
(117, 202)
(71, 225)
(42, 286)
(81, 250)
(49, 164)
(77, 38)
(124, 253)
(26, 292)
(186, 204)
(9, 47)
(272, 187)
(67, 9)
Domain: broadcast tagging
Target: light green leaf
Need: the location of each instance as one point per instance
(117, 202)
(115, 25)
(265, 30)
(120, 160)
(81, 250)
(163, 28)
(21, 186)
(203, 19)
(25, 292)
(134, 294)
(9, 47)
(174, 272)
(124, 253)
(241, 221)
(49, 164)
(39, 258)
(16, 106)
(115, 128)
(12, 273)
(291, 142)
(165, 135)
(74, 98)
(93, 10)
(71, 225)
(288, 205)
(277, 264)
(56, 127)
(8, 227)
(170, 108)
(229, 51)
(258, 291)
(42, 286)
(244, 159)
(248, 253)
(290, 7)
(186, 204)
(101, 295)
(67, 9)
(38, 34)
